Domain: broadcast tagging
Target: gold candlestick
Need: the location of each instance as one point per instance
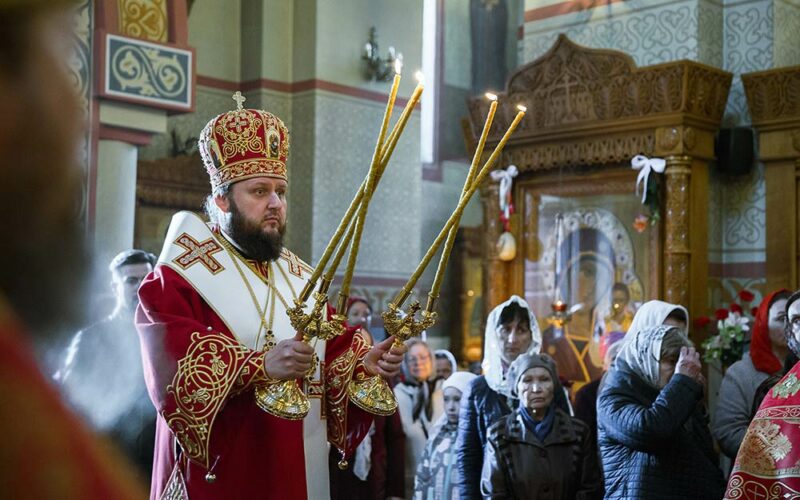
(406, 290)
(370, 188)
(286, 400)
(391, 142)
(373, 393)
(451, 236)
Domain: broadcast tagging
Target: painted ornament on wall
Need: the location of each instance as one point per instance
(506, 244)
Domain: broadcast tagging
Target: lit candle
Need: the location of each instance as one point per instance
(451, 237)
(391, 142)
(370, 185)
(357, 201)
(456, 215)
(482, 141)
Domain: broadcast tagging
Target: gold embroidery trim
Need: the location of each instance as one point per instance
(200, 386)
(338, 376)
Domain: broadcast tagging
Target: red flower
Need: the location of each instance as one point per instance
(721, 314)
(754, 311)
(736, 308)
(746, 295)
(702, 321)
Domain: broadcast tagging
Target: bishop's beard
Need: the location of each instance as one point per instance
(251, 238)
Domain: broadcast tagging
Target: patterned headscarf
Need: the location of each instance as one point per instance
(642, 351)
(791, 340)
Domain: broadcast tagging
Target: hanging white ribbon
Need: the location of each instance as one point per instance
(506, 179)
(645, 165)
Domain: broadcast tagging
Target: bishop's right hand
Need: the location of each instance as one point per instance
(290, 359)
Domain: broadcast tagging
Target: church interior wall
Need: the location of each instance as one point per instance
(301, 60)
(739, 37)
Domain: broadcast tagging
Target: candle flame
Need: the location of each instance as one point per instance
(398, 65)
(420, 77)
(491, 97)
(522, 108)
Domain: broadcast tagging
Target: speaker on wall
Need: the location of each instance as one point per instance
(733, 148)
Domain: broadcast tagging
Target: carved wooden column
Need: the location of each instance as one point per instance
(495, 274)
(676, 228)
(775, 111)
(796, 261)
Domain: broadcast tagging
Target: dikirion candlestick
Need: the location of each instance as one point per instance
(451, 237)
(456, 215)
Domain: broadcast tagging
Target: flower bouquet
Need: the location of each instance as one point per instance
(727, 345)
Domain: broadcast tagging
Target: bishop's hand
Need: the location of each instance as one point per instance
(384, 358)
(289, 360)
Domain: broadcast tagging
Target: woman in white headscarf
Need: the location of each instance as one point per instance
(511, 330)
(653, 431)
(658, 312)
(419, 402)
(436, 473)
(446, 364)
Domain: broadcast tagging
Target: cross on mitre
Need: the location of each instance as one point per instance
(239, 98)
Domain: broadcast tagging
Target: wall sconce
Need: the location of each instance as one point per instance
(378, 69)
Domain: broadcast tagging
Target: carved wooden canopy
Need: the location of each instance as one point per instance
(592, 110)
(774, 97)
(592, 107)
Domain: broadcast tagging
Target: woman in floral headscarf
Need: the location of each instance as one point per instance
(652, 426)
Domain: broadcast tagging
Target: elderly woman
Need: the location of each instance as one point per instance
(768, 351)
(511, 330)
(419, 402)
(539, 451)
(652, 426)
(658, 312)
(436, 473)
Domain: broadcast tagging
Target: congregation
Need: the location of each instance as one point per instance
(131, 403)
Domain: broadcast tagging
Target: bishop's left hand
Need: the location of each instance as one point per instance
(384, 359)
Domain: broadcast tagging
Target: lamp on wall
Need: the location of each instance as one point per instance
(378, 69)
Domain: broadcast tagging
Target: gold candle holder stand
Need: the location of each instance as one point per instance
(373, 394)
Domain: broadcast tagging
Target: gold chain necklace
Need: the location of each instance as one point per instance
(266, 326)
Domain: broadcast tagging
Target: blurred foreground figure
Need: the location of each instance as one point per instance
(102, 377)
(45, 452)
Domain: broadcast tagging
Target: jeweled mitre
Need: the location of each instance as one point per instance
(242, 144)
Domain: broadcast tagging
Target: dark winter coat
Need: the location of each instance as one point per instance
(655, 444)
(479, 411)
(517, 465)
